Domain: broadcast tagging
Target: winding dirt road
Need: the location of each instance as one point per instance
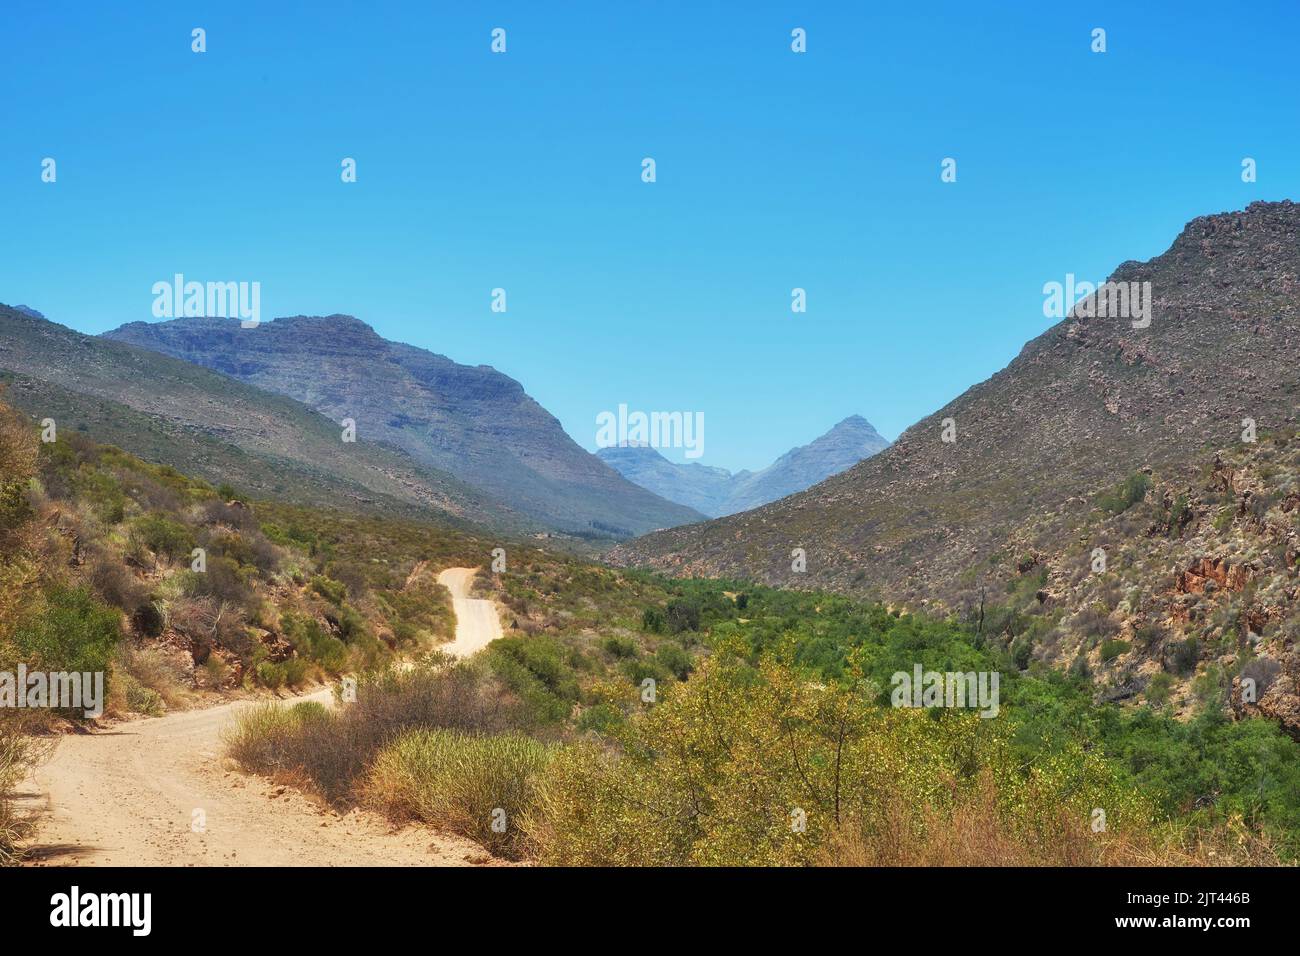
(157, 792)
(477, 622)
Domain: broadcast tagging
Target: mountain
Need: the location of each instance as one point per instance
(848, 443)
(208, 425)
(1083, 408)
(472, 422)
(717, 492)
(704, 488)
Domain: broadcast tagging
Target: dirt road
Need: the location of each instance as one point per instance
(477, 623)
(157, 792)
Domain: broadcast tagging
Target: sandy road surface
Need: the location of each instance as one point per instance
(477, 623)
(127, 795)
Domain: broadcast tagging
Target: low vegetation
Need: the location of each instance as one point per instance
(780, 746)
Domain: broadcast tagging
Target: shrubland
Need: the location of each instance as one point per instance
(779, 745)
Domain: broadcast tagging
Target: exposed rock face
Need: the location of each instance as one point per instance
(716, 491)
(472, 422)
(1193, 580)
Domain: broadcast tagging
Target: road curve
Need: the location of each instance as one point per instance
(128, 796)
(477, 623)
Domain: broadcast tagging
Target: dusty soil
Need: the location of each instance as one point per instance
(477, 621)
(127, 795)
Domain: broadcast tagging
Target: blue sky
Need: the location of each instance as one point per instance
(522, 171)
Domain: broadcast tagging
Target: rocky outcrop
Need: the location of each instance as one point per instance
(1195, 578)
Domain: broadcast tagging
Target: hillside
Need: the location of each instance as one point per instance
(1082, 406)
(94, 560)
(217, 429)
(471, 422)
(716, 491)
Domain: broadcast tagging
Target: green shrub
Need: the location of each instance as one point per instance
(70, 632)
(1126, 494)
(332, 591)
(1158, 689)
(257, 739)
(141, 699)
(158, 533)
(618, 646)
(1113, 648)
(477, 786)
(682, 616)
(537, 669)
(1183, 656)
(271, 675)
(673, 658)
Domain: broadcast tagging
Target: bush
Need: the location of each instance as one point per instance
(271, 675)
(1126, 494)
(682, 616)
(716, 772)
(166, 538)
(652, 620)
(223, 581)
(618, 646)
(258, 736)
(1158, 689)
(18, 753)
(147, 620)
(536, 668)
(335, 754)
(674, 659)
(115, 584)
(332, 591)
(480, 787)
(1183, 655)
(70, 632)
(1111, 649)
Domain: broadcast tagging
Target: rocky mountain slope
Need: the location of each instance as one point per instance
(1085, 404)
(717, 492)
(472, 422)
(190, 418)
(1122, 501)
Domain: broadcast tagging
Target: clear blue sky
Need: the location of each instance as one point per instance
(522, 170)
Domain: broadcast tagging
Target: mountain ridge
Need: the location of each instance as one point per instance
(473, 422)
(1081, 405)
(224, 431)
(717, 492)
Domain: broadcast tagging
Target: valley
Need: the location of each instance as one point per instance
(443, 644)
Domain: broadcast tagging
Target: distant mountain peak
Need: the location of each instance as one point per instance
(716, 491)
